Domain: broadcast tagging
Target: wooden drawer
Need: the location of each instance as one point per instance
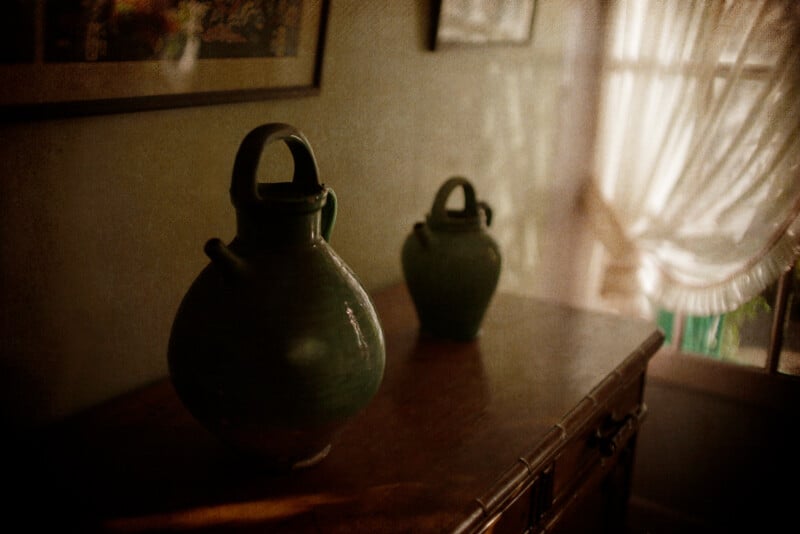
(603, 444)
(600, 436)
(585, 448)
(524, 511)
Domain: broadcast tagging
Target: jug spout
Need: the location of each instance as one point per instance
(422, 235)
(231, 265)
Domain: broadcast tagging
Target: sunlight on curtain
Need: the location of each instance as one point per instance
(697, 178)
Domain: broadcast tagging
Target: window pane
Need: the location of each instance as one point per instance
(745, 336)
(702, 335)
(740, 336)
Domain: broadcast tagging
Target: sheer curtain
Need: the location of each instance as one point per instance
(696, 191)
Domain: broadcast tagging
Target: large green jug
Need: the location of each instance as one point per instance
(276, 344)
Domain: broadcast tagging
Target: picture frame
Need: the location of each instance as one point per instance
(461, 23)
(60, 58)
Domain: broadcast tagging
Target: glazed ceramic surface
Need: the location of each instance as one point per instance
(452, 265)
(276, 344)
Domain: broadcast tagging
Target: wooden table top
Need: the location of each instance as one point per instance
(449, 420)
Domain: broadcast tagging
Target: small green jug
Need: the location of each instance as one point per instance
(452, 265)
(276, 344)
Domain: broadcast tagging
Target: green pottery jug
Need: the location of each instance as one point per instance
(276, 344)
(452, 265)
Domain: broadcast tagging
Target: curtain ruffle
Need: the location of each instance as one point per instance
(725, 295)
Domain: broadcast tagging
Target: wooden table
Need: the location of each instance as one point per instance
(531, 426)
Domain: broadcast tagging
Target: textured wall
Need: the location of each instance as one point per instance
(103, 218)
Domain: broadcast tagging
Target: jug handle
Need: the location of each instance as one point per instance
(439, 211)
(487, 211)
(244, 185)
(329, 210)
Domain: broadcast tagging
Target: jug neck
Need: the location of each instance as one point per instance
(258, 229)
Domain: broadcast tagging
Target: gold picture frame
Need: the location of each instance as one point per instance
(63, 58)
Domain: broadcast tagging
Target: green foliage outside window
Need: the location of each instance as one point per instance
(717, 336)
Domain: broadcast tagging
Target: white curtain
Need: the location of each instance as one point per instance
(696, 191)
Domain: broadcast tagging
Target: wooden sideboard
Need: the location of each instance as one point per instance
(531, 427)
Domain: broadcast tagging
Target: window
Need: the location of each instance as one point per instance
(696, 192)
(764, 332)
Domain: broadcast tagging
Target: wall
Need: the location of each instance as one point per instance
(104, 218)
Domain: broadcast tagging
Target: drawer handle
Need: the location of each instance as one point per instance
(612, 433)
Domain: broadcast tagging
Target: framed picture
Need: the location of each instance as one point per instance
(483, 22)
(72, 57)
